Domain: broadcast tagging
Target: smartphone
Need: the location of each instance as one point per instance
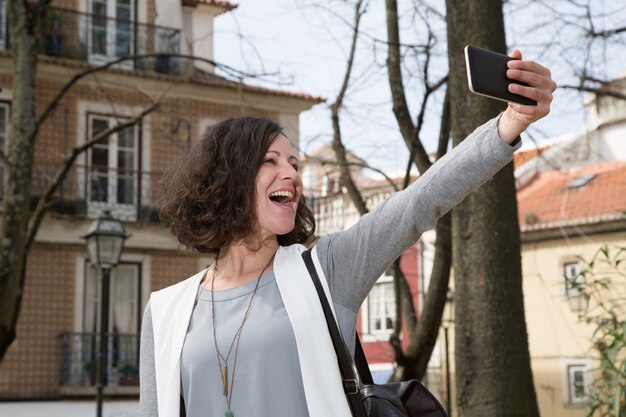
(486, 75)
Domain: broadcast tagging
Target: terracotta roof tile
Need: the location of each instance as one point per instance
(548, 198)
(523, 156)
(226, 5)
(204, 77)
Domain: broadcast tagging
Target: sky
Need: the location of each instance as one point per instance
(304, 43)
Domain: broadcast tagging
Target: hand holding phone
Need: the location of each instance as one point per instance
(486, 75)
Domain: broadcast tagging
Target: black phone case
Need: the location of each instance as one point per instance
(486, 75)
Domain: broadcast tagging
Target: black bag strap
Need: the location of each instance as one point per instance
(351, 382)
(361, 362)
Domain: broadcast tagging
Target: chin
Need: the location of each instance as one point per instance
(284, 229)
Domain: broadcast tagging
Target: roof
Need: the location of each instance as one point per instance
(226, 5)
(553, 199)
(522, 156)
(204, 77)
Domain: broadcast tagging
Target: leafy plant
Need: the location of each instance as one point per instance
(128, 369)
(602, 284)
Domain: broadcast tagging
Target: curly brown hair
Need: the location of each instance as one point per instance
(208, 199)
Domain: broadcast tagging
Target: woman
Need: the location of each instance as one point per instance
(247, 336)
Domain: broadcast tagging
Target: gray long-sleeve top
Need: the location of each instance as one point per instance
(268, 380)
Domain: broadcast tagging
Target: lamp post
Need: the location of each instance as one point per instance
(105, 240)
(446, 325)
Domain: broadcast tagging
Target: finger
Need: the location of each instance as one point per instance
(531, 78)
(537, 94)
(532, 113)
(531, 66)
(517, 54)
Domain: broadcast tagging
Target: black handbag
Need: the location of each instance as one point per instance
(366, 399)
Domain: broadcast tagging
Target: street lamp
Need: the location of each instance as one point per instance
(105, 240)
(447, 322)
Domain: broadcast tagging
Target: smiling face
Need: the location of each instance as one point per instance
(277, 190)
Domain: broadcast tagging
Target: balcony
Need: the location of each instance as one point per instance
(78, 364)
(335, 212)
(87, 190)
(98, 39)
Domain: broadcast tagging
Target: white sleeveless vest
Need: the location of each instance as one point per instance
(171, 312)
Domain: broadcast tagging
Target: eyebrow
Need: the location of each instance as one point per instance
(288, 158)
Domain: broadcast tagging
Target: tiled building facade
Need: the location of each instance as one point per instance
(53, 355)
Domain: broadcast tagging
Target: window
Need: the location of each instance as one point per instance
(111, 31)
(124, 313)
(124, 299)
(113, 164)
(381, 307)
(4, 138)
(577, 383)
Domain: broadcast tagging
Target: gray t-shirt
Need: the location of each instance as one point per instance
(268, 380)
(267, 364)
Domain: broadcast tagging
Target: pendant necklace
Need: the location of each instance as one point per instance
(222, 362)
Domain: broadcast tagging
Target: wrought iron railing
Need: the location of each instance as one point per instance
(99, 39)
(335, 212)
(79, 358)
(87, 190)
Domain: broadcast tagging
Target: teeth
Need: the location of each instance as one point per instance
(283, 195)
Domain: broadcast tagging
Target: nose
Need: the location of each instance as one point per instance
(289, 172)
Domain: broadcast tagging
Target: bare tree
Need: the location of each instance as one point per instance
(422, 334)
(493, 374)
(24, 19)
(413, 363)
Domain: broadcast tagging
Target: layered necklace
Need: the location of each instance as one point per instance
(222, 362)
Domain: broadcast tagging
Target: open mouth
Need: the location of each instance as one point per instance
(284, 198)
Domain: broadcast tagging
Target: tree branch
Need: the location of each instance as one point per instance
(42, 205)
(444, 127)
(597, 91)
(55, 101)
(337, 144)
(606, 33)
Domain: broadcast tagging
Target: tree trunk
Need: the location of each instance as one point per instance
(493, 374)
(16, 198)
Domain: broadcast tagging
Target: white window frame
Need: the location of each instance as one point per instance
(369, 334)
(86, 108)
(325, 181)
(144, 262)
(110, 54)
(572, 370)
(308, 179)
(91, 273)
(79, 285)
(571, 366)
(123, 211)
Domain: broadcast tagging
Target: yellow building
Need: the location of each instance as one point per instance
(572, 201)
(566, 217)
